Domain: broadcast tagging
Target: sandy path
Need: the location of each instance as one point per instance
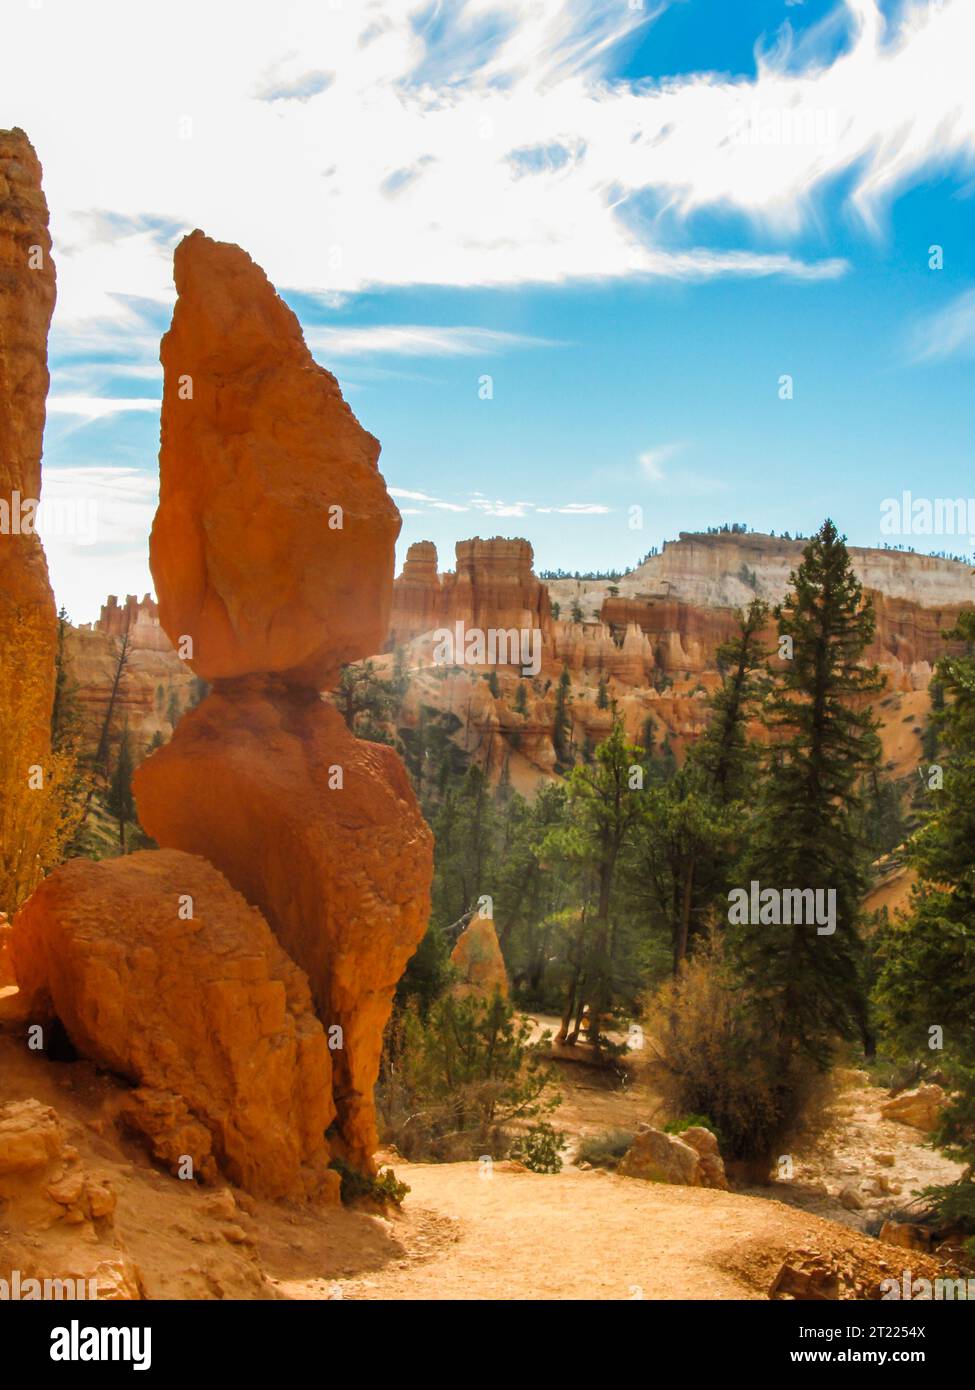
(575, 1235)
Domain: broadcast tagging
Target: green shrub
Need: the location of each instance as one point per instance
(689, 1122)
(454, 1083)
(384, 1187)
(539, 1149)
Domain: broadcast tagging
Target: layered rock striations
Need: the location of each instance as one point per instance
(154, 688)
(272, 552)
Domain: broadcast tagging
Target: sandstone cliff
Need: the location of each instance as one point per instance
(28, 624)
(650, 647)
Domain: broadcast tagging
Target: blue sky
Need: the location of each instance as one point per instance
(635, 221)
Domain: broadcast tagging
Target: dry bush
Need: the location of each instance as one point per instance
(715, 1061)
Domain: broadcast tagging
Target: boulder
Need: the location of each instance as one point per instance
(478, 960)
(159, 971)
(322, 832)
(658, 1157)
(920, 1108)
(705, 1145)
(272, 548)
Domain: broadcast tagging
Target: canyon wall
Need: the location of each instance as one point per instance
(647, 643)
(28, 623)
(154, 690)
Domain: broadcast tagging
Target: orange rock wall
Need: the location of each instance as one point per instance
(28, 622)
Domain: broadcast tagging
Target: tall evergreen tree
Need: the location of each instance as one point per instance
(693, 822)
(120, 800)
(927, 981)
(806, 984)
(562, 730)
(725, 753)
(604, 802)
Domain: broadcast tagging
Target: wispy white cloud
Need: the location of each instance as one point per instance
(679, 481)
(949, 332)
(496, 507)
(417, 340)
(411, 165)
(98, 407)
(652, 460)
(410, 495)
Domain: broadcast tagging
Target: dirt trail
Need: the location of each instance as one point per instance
(576, 1235)
(461, 1234)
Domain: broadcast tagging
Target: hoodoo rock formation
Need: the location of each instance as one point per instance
(321, 831)
(478, 961)
(159, 971)
(28, 622)
(273, 543)
(492, 586)
(272, 551)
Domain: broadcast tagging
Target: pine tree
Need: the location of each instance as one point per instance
(562, 730)
(521, 699)
(807, 985)
(725, 754)
(65, 713)
(604, 802)
(120, 800)
(121, 662)
(927, 979)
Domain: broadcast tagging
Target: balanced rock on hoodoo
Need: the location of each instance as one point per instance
(273, 543)
(273, 551)
(320, 830)
(158, 970)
